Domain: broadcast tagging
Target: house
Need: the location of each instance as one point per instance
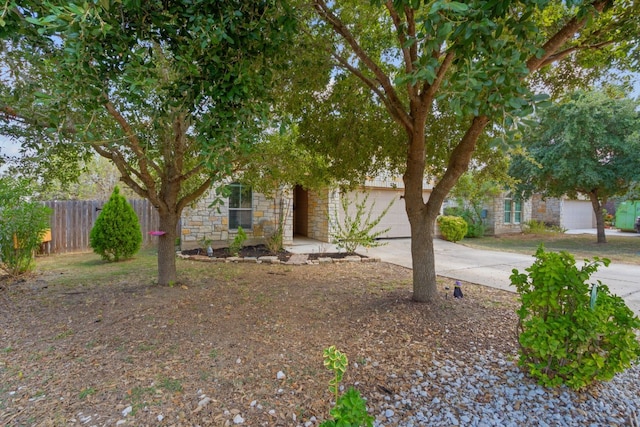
(564, 212)
(505, 214)
(307, 213)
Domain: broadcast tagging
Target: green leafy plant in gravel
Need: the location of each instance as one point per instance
(570, 332)
(350, 409)
(357, 229)
(453, 228)
(116, 234)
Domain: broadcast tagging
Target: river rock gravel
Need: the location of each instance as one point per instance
(486, 388)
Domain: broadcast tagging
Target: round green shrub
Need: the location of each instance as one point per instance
(453, 228)
(572, 333)
(116, 234)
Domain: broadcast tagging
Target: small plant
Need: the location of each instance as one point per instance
(350, 409)
(569, 332)
(116, 234)
(453, 228)
(357, 230)
(86, 393)
(238, 242)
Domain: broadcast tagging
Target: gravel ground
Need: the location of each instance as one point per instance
(487, 389)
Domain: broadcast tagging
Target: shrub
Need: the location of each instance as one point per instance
(116, 234)
(453, 228)
(22, 226)
(238, 242)
(569, 332)
(539, 227)
(357, 230)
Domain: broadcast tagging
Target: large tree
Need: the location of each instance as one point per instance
(170, 92)
(450, 75)
(588, 145)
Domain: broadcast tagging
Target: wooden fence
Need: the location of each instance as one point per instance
(72, 220)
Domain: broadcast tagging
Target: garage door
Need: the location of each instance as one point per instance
(395, 219)
(577, 214)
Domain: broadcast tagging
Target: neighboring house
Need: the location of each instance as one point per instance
(305, 213)
(506, 214)
(564, 212)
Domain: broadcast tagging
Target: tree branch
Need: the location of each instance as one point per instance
(191, 197)
(563, 54)
(397, 109)
(561, 37)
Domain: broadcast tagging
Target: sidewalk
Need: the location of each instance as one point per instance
(489, 268)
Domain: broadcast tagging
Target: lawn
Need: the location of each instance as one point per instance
(621, 249)
(83, 342)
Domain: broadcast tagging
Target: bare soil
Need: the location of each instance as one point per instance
(84, 353)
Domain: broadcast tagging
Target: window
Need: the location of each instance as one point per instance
(240, 211)
(512, 210)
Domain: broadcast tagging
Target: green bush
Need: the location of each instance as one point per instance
(475, 224)
(23, 223)
(453, 228)
(116, 234)
(569, 332)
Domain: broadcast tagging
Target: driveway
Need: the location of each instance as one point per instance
(491, 268)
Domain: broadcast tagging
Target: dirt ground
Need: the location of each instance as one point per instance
(209, 351)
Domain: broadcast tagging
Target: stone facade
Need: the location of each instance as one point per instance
(495, 219)
(547, 210)
(202, 221)
(321, 212)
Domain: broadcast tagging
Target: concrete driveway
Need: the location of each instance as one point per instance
(491, 268)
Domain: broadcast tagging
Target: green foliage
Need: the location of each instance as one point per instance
(357, 230)
(535, 226)
(116, 234)
(453, 228)
(569, 332)
(350, 409)
(238, 242)
(475, 224)
(22, 226)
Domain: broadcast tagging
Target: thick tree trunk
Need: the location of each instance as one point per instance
(167, 274)
(421, 222)
(597, 209)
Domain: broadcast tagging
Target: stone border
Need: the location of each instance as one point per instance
(296, 259)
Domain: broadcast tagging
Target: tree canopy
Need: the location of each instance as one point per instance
(171, 92)
(588, 145)
(452, 76)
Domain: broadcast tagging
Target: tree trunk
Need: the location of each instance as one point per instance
(597, 209)
(167, 274)
(423, 259)
(421, 222)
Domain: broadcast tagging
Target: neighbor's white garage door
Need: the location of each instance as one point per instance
(396, 217)
(577, 214)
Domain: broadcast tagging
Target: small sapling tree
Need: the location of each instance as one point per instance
(116, 234)
(358, 229)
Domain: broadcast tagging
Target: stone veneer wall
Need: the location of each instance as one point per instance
(202, 221)
(320, 224)
(548, 210)
(495, 217)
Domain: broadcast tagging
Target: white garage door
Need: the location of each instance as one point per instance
(396, 217)
(577, 214)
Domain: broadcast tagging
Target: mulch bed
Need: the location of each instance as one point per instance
(208, 350)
